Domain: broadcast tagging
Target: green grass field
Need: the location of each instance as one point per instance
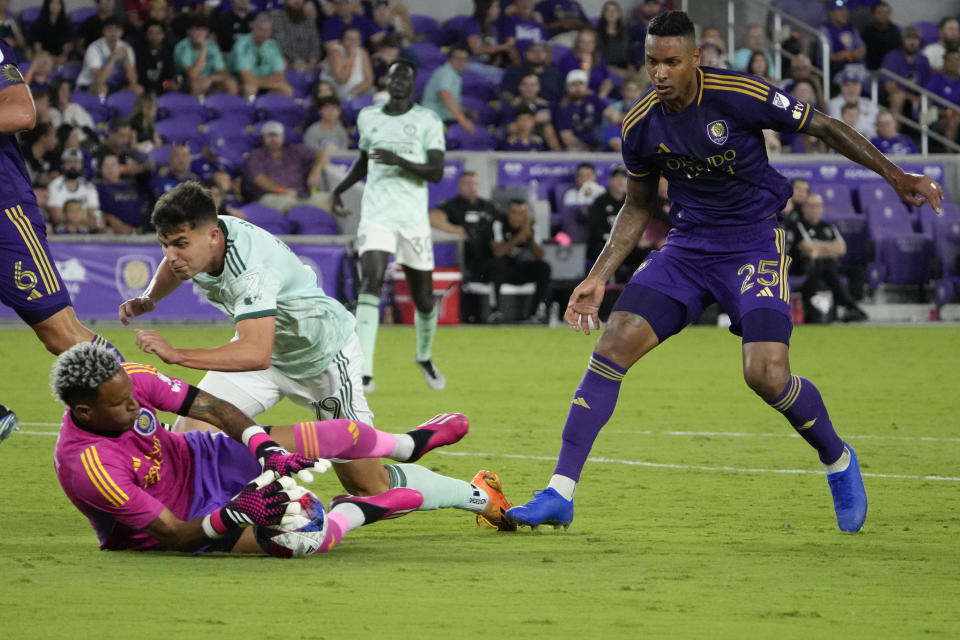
(700, 516)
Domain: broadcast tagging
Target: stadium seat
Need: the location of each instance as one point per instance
(573, 220)
(70, 71)
(486, 115)
(93, 105)
(853, 228)
(29, 15)
(928, 31)
(902, 259)
(160, 155)
(477, 86)
(266, 218)
(888, 219)
(273, 106)
(447, 187)
(312, 220)
(79, 16)
(176, 132)
(421, 83)
(300, 83)
(225, 105)
(232, 130)
(874, 192)
(429, 55)
(453, 29)
(834, 194)
(426, 28)
(351, 108)
(481, 140)
(178, 105)
(121, 104)
(203, 168)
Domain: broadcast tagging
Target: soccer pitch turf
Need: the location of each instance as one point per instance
(700, 515)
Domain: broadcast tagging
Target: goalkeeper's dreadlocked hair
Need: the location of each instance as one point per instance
(80, 370)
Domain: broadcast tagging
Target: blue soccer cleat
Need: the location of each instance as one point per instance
(547, 507)
(8, 422)
(849, 496)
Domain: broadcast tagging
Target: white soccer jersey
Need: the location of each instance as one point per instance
(85, 194)
(393, 197)
(262, 277)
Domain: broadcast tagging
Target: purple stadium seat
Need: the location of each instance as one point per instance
(233, 130)
(79, 16)
(351, 108)
(300, 83)
(453, 29)
(947, 239)
(266, 218)
(477, 86)
(834, 194)
(447, 187)
(97, 109)
(70, 71)
(421, 82)
(178, 105)
(426, 28)
(573, 220)
(429, 55)
(890, 219)
(218, 106)
(902, 259)
(485, 113)
(481, 140)
(29, 15)
(121, 103)
(928, 31)
(312, 220)
(160, 155)
(873, 192)
(273, 106)
(174, 131)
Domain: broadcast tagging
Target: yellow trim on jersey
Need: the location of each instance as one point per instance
(101, 479)
(641, 103)
(700, 92)
(22, 223)
(626, 126)
(738, 79)
(638, 175)
(748, 92)
(805, 114)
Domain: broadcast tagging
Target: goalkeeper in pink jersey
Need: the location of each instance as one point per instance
(146, 488)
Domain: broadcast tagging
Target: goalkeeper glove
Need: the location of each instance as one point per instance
(268, 501)
(273, 457)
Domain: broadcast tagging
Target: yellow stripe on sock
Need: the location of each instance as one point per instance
(605, 368)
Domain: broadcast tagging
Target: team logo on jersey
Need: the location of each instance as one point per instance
(410, 129)
(717, 131)
(780, 100)
(11, 73)
(797, 111)
(146, 423)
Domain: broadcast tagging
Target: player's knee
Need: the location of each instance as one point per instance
(424, 302)
(371, 284)
(368, 484)
(767, 377)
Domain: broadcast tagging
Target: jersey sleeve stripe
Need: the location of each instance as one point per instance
(638, 175)
(136, 366)
(739, 79)
(627, 126)
(18, 223)
(700, 91)
(641, 104)
(738, 82)
(759, 97)
(255, 314)
(101, 479)
(805, 114)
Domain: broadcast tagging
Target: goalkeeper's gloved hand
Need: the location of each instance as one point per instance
(273, 457)
(269, 501)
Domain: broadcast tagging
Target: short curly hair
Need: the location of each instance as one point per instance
(80, 370)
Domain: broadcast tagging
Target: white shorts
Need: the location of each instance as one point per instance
(412, 246)
(336, 393)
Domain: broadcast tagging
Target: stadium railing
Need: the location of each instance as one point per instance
(926, 97)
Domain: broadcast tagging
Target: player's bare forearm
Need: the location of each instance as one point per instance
(846, 140)
(163, 283)
(175, 534)
(358, 171)
(228, 357)
(220, 414)
(628, 228)
(431, 170)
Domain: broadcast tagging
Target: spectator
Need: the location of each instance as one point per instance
(632, 89)
(322, 89)
(563, 18)
(257, 62)
(520, 133)
(820, 245)
(881, 35)
(143, 122)
(948, 37)
(801, 68)
(38, 145)
(281, 175)
(68, 137)
(63, 111)
(155, 66)
(327, 133)
(647, 10)
(344, 15)
(72, 185)
(530, 100)
(522, 22)
(160, 12)
(348, 66)
(51, 31)
(481, 37)
(392, 19)
(442, 92)
(584, 56)
(851, 88)
(75, 219)
(947, 85)
(224, 190)
(200, 61)
(92, 28)
(296, 33)
(585, 190)
(177, 170)
(759, 67)
(850, 114)
(386, 53)
(471, 218)
(613, 40)
(138, 13)
(119, 141)
(41, 101)
(846, 45)
(230, 25)
(711, 55)
(536, 60)
(38, 75)
(909, 62)
(578, 117)
(889, 139)
(791, 215)
(121, 201)
(518, 258)
(755, 39)
(109, 64)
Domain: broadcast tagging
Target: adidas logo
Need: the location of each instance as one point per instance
(580, 402)
(765, 293)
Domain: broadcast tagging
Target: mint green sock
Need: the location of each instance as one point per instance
(438, 491)
(426, 325)
(368, 322)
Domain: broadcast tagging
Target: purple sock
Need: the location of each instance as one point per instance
(592, 406)
(99, 339)
(802, 405)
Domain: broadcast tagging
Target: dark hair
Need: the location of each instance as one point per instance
(69, 202)
(197, 21)
(155, 23)
(672, 23)
(586, 165)
(350, 27)
(189, 203)
(116, 124)
(456, 48)
(323, 102)
(391, 40)
(796, 180)
(405, 63)
(523, 111)
(518, 201)
(944, 20)
(481, 8)
(110, 21)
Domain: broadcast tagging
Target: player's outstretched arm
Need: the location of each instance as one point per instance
(431, 170)
(358, 171)
(911, 187)
(163, 283)
(251, 351)
(627, 230)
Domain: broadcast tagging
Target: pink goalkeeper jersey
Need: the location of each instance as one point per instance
(122, 483)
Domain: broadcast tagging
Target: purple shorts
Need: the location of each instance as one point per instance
(29, 281)
(744, 271)
(221, 468)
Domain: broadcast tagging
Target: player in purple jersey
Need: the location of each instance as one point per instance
(146, 488)
(29, 281)
(701, 129)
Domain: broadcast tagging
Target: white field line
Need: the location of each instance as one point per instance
(651, 465)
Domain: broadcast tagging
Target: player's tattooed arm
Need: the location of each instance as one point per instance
(220, 414)
(913, 188)
(629, 226)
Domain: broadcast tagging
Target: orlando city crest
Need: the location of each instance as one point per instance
(146, 423)
(132, 274)
(717, 131)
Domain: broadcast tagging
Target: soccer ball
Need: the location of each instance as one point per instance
(303, 539)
